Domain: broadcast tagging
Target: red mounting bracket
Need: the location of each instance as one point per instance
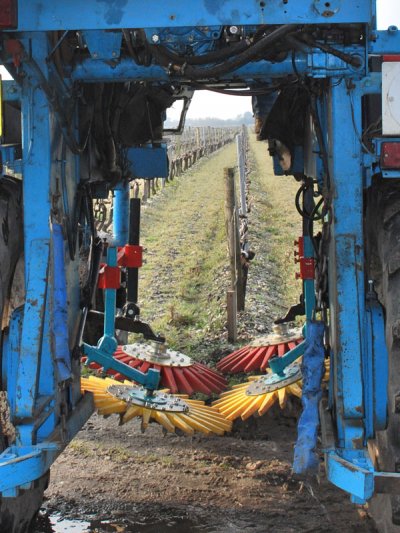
(130, 256)
(109, 277)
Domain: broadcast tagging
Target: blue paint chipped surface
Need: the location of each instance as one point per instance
(115, 10)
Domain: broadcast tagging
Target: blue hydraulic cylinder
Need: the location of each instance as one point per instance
(110, 297)
(121, 215)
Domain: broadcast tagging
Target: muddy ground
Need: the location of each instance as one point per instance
(116, 479)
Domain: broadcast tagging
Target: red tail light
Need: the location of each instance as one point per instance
(8, 14)
(390, 155)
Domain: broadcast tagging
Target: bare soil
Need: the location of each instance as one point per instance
(116, 479)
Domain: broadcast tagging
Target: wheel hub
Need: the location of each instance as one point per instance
(140, 397)
(273, 382)
(157, 354)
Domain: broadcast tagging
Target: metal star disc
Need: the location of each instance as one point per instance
(272, 382)
(139, 396)
(290, 335)
(157, 354)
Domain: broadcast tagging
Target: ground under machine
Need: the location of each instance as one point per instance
(84, 115)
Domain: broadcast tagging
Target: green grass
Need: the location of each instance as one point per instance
(183, 232)
(183, 282)
(278, 215)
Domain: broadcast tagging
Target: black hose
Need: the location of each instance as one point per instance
(313, 214)
(211, 57)
(354, 61)
(58, 110)
(299, 209)
(245, 57)
(131, 50)
(320, 138)
(89, 290)
(134, 238)
(311, 220)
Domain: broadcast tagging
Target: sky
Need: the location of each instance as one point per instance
(208, 104)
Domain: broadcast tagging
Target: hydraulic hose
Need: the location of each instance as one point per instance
(134, 238)
(212, 57)
(89, 289)
(189, 72)
(352, 60)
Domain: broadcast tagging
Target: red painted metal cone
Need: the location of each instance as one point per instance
(179, 373)
(256, 355)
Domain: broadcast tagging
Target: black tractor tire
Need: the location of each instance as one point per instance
(382, 236)
(17, 514)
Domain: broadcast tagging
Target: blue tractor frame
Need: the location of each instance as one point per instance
(41, 349)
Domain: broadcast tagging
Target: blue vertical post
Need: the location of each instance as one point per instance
(60, 307)
(346, 260)
(121, 214)
(110, 297)
(37, 177)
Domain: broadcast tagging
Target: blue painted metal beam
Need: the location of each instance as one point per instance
(36, 169)
(385, 42)
(11, 91)
(316, 63)
(346, 260)
(355, 476)
(40, 15)
(20, 465)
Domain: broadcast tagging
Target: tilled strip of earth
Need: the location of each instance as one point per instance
(116, 479)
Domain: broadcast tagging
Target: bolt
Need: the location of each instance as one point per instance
(155, 38)
(233, 30)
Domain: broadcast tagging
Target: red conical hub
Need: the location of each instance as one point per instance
(255, 356)
(179, 373)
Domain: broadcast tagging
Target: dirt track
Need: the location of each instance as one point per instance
(116, 479)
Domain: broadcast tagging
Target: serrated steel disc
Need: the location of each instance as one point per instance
(160, 401)
(276, 338)
(273, 382)
(157, 356)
